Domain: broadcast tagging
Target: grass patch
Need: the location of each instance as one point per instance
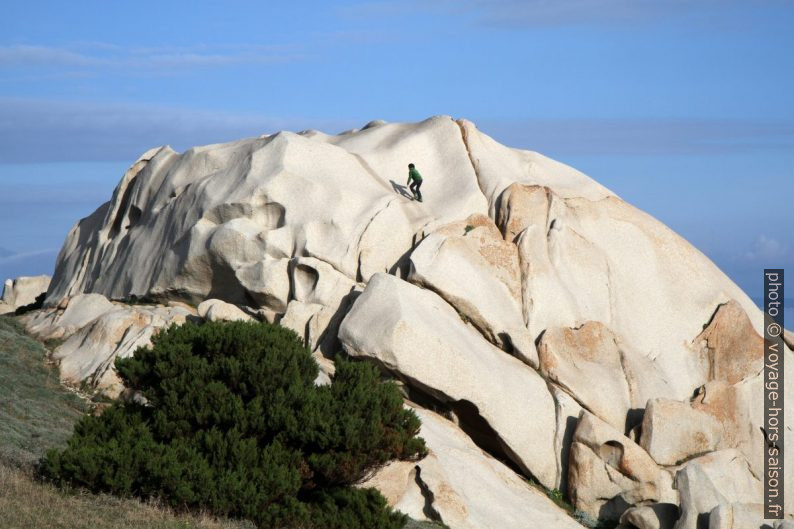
(558, 498)
(36, 412)
(26, 503)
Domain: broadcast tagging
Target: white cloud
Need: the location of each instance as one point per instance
(27, 255)
(103, 56)
(767, 250)
(25, 55)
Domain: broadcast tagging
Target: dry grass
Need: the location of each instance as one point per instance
(26, 503)
(36, 412)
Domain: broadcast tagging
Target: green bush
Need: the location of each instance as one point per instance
(235, 424)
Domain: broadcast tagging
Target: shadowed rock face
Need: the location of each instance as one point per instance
(519, 295)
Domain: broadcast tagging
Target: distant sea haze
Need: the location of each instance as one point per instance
(13, 265)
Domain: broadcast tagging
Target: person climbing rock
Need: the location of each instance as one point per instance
(414, 181)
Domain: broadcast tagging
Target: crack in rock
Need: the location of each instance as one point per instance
(428, 510)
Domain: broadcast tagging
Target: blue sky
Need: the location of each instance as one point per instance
(685, 108)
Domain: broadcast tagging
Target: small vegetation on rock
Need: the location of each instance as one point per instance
(557, 497)
(234, 424)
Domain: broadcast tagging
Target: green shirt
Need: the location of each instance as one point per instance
(413, 174)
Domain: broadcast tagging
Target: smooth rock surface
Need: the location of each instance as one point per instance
(95, 331)
(575, 358)
(738, 516)
(62, 322)
(415, 333)
(673, 431)
(476, 271)
(230, 221)
(463, 486)
(217, 310)
(196, 225)
(730, 346)
(399, 483)
(88, 355)
(707, 481)
(317, 324)
(567, 411)
(654, 516)
(592, 260)
(740, 410)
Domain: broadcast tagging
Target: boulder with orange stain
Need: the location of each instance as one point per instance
(673, 431)
(476, 271)
(608, 472)
(730, 346)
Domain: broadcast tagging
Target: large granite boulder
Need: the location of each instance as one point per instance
(218, 310)
(238, 222)
(95, 331)
(88, 355)
(475, 270)
(653, 516)
(573, 358)
(743, 516)
(721, 477)
(673, 431)
(464, 487)
(214, 221)
(23, 291)
(608, 472)
(519, 296)
(71, 315)
(419, 337)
